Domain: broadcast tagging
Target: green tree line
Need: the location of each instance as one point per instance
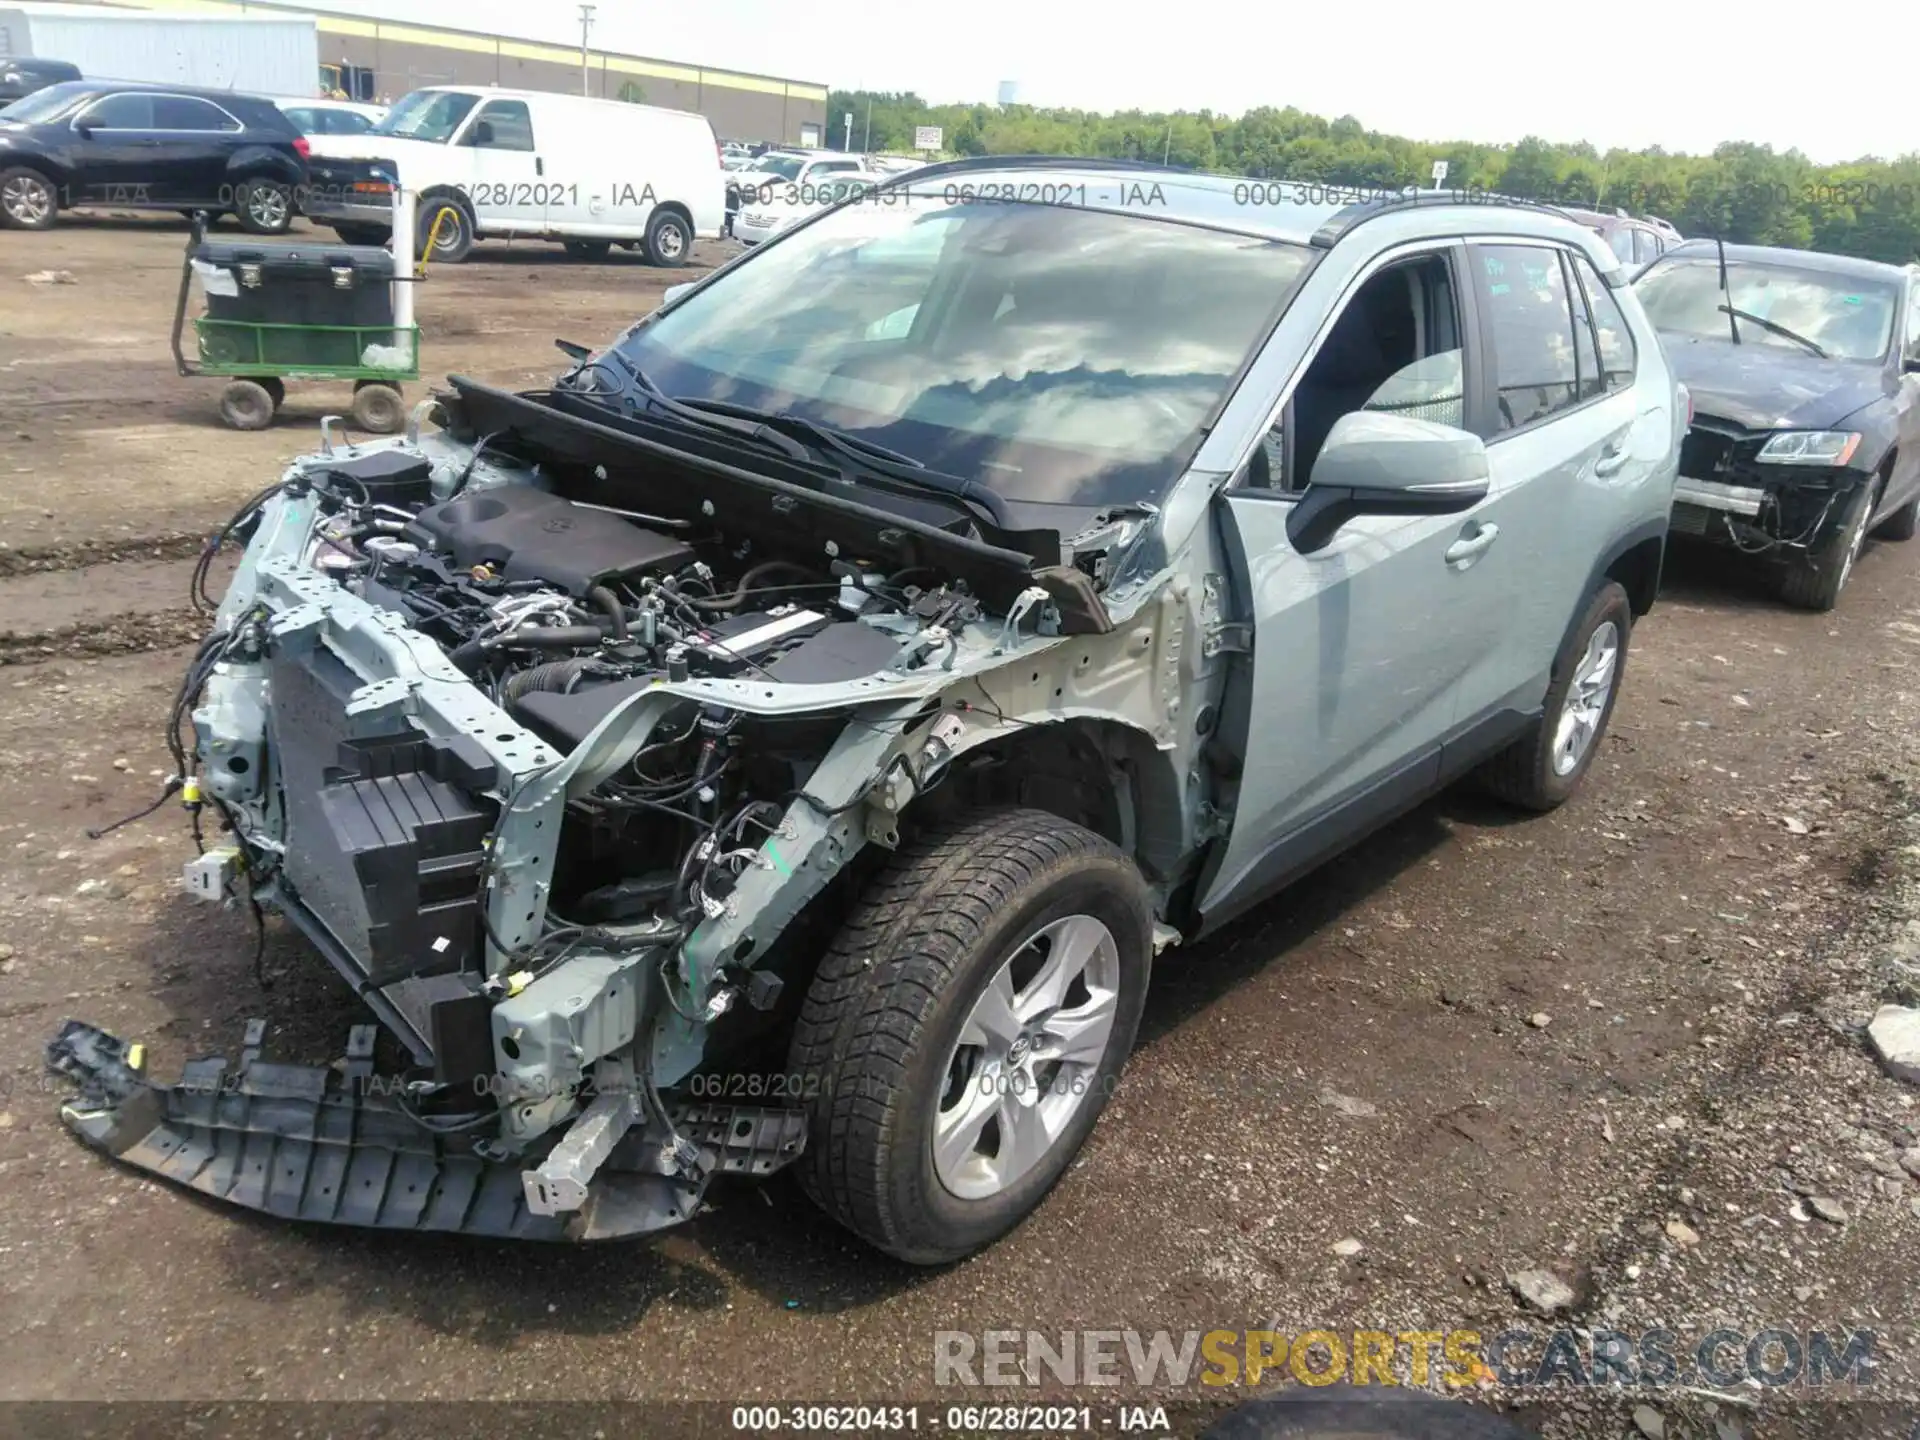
(1744, 193)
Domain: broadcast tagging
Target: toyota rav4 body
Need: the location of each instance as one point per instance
(792, 735)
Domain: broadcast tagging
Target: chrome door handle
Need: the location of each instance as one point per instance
(1612, 460)
(1472, 546)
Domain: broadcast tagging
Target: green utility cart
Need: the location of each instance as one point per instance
(298, 310)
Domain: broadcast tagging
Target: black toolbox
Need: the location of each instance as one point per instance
(298, 282)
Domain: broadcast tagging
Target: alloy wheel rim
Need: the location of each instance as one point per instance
(1587, 697)
(267, 205)
(26, 200)
(1027, 1058)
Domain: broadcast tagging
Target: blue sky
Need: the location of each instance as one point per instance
(1684, 74)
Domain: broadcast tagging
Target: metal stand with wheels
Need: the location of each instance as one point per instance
(272, 309)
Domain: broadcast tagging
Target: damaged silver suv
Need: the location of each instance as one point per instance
(790, 737)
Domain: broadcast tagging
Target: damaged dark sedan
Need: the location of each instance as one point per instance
(1805, 375)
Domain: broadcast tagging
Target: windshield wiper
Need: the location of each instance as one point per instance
(651, 395)
(1775, 327)
(877, 458)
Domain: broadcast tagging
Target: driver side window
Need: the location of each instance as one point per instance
(1396, 347)
(502, 125)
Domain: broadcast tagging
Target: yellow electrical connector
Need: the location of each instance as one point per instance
(518, 981)
(190, 791)
(136, 1056)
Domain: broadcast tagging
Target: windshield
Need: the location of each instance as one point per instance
(42, 104)
(787, 167)
(430, 115)
(1056, 354)
(1850, 318)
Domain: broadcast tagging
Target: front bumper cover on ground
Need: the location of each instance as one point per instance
(334, 1144)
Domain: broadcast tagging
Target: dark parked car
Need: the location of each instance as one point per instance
(21, 76)
(148, 147)
(1805, 375)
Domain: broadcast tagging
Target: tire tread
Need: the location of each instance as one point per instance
(902, 945)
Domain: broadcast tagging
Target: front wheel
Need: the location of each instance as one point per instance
(264, 207)
(453, 241)
(28, 200)
(1543, 767)
(1814, 581)
(669, 239)
(248, 404)
(966, 1028)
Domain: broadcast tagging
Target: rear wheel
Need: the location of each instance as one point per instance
(966, 1027)
(1544, 766)
(247, 405)
(669, 238)
(363, 234)
(264, 207)
(28, 200)
(378, 407)
(588, 249)
(1814, 581)
(1902, 523)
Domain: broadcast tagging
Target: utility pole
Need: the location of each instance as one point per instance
(866, 142)
(847, 144)
(586, 23)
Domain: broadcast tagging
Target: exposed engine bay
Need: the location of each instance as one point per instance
(556, 743)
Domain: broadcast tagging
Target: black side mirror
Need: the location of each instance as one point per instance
(1911, 365)
(83, 129)
(482, 133)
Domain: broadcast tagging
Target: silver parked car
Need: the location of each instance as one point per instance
(790, 737)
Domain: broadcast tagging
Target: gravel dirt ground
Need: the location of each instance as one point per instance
(1620, 1043)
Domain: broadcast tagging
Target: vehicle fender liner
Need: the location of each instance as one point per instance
(335, 1145)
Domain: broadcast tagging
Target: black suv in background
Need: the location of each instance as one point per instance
(148, 147)
(24, 74)
(1804, 370)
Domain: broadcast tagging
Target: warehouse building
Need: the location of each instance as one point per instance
(382, 60)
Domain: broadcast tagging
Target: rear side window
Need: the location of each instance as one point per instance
(1609, 325)
(345, 122)
(301, 120)
(1531, 311)
(1646, 246)
(119, 112)
(184, 112)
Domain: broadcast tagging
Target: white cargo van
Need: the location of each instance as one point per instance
(527, 164)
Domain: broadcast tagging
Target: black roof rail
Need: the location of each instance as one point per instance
(971, 163)
(1342, 221)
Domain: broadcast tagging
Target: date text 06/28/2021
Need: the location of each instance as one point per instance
(1148, 1419)
(619, 194)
